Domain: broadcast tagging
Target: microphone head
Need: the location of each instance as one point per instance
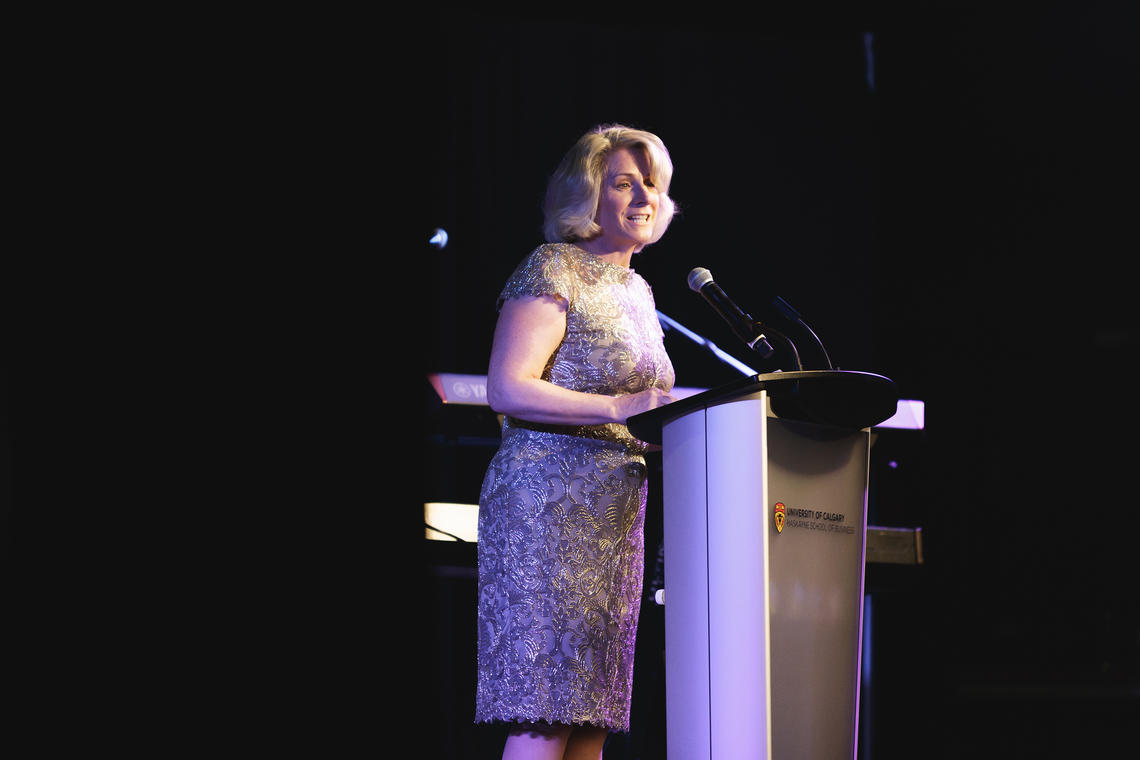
(698, 278)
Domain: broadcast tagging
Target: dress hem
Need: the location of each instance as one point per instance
(509, 722)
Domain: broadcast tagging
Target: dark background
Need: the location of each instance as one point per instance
(213, 526)
(946, 194)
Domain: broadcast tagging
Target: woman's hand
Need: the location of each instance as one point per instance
(636, 403)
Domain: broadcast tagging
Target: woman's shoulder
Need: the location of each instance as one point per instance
(549, 269)
(564, 269)
(550, 257)
(567, 253)
(557, 260)
(572, 258)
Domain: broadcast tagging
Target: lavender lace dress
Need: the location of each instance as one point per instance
(562, 511)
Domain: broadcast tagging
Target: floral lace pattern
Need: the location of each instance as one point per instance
(562, 510)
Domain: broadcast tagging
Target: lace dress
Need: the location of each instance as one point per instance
(562, 511)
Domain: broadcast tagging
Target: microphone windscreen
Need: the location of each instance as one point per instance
(698, 278)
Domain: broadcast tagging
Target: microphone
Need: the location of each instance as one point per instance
(747, 329)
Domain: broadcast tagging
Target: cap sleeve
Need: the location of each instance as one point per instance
(547, 271)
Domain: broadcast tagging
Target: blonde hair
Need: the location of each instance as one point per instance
(573, 191)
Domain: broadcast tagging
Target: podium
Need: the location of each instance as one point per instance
(765, 504)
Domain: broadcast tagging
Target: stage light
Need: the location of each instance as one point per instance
(439, 238)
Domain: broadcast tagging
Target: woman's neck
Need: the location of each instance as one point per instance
(620, 256)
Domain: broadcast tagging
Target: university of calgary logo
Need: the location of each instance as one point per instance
(778, 516)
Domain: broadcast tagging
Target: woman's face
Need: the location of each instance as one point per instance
(627, 207)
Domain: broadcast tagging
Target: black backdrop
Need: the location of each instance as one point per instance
(954, 210)
(945, 196)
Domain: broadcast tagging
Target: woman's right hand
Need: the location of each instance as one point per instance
(643, 401)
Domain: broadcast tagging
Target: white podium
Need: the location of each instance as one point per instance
(765, 493)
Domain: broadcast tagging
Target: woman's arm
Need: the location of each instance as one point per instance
(529, 330)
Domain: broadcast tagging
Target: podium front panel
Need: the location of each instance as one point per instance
(684, 482)
(762, 618)
(716, 607)
(816, 568)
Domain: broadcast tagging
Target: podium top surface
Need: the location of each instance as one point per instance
(836, 398)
